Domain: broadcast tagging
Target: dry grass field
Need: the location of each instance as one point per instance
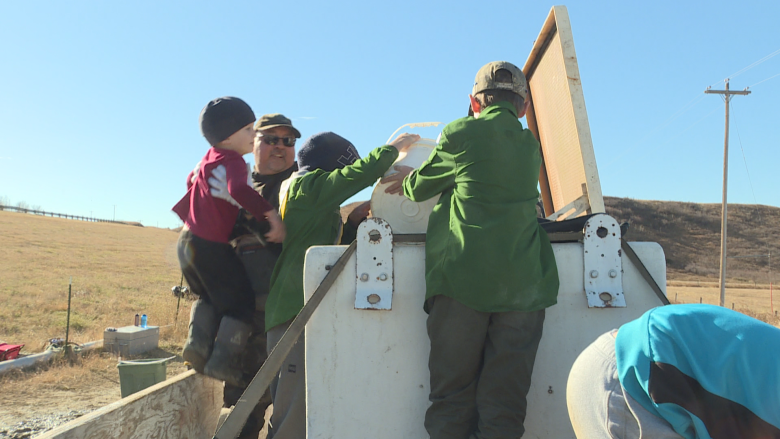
(117, 271)
(750, 301)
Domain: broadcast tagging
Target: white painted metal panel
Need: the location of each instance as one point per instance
(367, 371)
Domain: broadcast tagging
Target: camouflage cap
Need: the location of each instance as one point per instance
(273, 120)
(485, 79)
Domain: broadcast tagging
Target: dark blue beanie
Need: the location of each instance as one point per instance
(222, 117)
(327, 151)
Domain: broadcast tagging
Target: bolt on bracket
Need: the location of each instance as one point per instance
(374, 265)
(603, 265)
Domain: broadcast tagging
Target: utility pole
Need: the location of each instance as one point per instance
(727, 96)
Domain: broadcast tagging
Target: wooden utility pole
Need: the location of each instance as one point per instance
(727, 95)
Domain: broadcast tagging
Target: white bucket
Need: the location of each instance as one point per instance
(403, 214)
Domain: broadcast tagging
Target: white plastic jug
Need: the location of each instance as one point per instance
(403, 214)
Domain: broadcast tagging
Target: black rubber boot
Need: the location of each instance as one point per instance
(225, 361)
(200, 340)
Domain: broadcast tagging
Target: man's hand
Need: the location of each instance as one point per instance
(278, 231)
(404, 141)
(359, 213)
(396, 180)
(218, 185)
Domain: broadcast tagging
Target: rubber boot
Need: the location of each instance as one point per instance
(200, 340)
(225, 361)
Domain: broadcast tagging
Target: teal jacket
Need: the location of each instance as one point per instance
(311, 215)
(709, 371)
(484, 247)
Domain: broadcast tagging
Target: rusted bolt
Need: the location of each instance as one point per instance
(364, 277)
(594, 274)
(374, 236)
(373, 299)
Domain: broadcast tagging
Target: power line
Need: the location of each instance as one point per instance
(745, 69)
(744, 159)
(767, 79)
(695, 123)
(663, 125)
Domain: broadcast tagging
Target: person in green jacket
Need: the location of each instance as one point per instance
(490, 271)
(330, 171)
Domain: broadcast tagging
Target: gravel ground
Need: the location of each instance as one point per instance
(35, 426)
(36, 401)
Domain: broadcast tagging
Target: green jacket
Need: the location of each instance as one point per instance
(484, 247)
(311, 215)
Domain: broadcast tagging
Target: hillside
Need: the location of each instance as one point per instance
(690, 236)
(117, 270)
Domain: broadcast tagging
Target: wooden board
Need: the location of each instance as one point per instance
(186, 406)
(558, 118)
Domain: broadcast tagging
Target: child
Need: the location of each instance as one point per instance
(490, 271)
(208, 262)
(331, 171)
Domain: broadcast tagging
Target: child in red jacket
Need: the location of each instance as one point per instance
(207, 260)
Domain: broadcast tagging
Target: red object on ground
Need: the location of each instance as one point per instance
(9, 351)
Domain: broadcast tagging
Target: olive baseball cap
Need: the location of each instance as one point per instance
(273, 120)
(485, 79)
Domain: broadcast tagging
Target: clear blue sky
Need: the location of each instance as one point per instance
(100, 100)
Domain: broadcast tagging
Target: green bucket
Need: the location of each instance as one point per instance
(136, 375)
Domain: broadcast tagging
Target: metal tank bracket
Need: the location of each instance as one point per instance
(603, 265)
(374, 265)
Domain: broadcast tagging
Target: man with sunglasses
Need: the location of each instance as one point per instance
(274, 151)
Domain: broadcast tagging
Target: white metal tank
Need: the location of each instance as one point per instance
(367, 369)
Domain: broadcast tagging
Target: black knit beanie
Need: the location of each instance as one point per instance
(327, 151)
(222, 117)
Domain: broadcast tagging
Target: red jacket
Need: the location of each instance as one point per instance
(213, 218)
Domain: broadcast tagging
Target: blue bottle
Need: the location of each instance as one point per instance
(143, 321)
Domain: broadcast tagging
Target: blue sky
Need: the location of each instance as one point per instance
(100, 100)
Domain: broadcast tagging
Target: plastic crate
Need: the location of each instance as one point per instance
(9, 351)
(136, 375)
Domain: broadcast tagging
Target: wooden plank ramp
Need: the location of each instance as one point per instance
(185, 406)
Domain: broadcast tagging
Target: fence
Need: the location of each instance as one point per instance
(59, 215)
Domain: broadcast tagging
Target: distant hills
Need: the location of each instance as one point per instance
(690, 236)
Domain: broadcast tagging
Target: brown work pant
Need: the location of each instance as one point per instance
(481, 365)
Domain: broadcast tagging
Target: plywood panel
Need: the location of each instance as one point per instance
(559, 119)
(186, 406)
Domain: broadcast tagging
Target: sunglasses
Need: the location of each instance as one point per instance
(273, 140)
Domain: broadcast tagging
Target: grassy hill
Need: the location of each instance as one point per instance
(117, 270)
(690, 236)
